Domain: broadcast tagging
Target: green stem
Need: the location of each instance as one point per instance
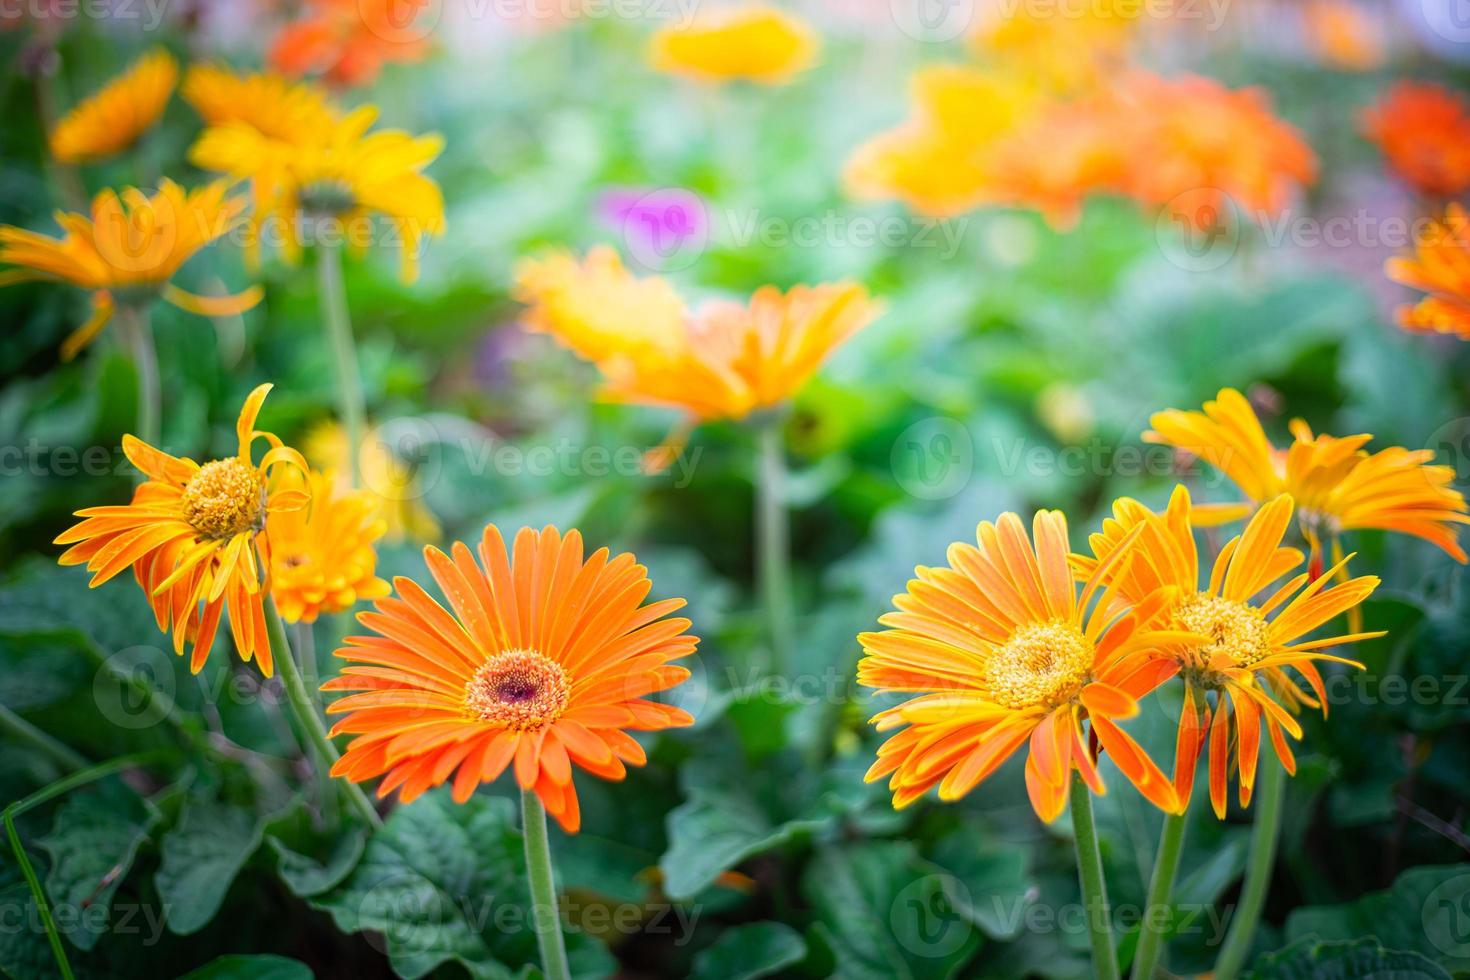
(1094, 888)
(137, 330)
(61, 754)
(1270, 791)
(545, 914)
(1156, 912)
(350, 401)
(307, 718)
(774, 539)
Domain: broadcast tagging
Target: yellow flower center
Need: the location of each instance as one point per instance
(1237, 629)
(1041, 664)
(225, 498)
(519, 689)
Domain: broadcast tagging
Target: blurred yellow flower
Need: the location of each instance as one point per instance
(1337, 485)
(306, 163)
(392, 484)
(197, 538)
(1440, 267)
(755, 43)
(322, 557)
(113, 118)
(1344, 34)
(1065, 49)
(128, 250)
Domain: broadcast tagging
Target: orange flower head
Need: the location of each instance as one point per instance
(115, 117)
(1344, 34)
(1440, 267)
(197, 538)
(322, 556)
(1230, 640)
(1423, 131)
(1068, 51)
(128, 250)
(1001, 651)
(542, 662)
(756, 43)
(348, 42)
(1337, 485)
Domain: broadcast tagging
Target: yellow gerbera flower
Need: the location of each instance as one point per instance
(756, 43)
(113, 118)
(724, 361)
(197, 538)
(1228, 640)
(1337, 485)
(316, 164)
(393, 484)
(1002, 651)
(322, 557)
(128, 250)
(272, 105)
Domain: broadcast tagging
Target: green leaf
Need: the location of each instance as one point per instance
(990, 881)
(887, 914)
(750, 951)
(713, 831)
(201, 856)
(251, 968)
(1364, 959)
(446, 883)
(93, 841)
(311, 861)
(1426, 910)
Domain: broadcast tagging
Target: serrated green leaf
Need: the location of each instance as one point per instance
(750, 951)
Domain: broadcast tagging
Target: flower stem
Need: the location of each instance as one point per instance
(23, 731)
(137, 330)
(1160, 891)
(545, 915)
(350, 403)
(774, 539)
(307, 718)
(1094, 888)
(1270, 791)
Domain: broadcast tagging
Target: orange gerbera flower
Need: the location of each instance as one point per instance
(128, 250)
(349, 41)
(322, 557)
(1345, 34)
(1337, 485)
(1002, 651)
(1441, 268)
(197, 538)
(543, 662)
(1228, 640)
(1424, 132)
(756, 43)
(112, 119)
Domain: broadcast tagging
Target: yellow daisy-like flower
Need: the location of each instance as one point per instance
(306, 162)
(393, 484)
(1337, 485)
(1231, 641)
(322, 557)
(128, 250)
(197, 538)
(756, 43)
(724, 361)
(113, 118)
(1002, 652)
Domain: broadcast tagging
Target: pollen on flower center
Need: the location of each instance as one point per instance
(1041, 664)
(1238, 630)
(225, 498)
(520, 689)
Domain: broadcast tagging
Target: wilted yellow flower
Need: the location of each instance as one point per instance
(306, 162)
(197, 538)
(113, 118)
(756, 43)
(322, 557)
(128, 250)
(392, 483)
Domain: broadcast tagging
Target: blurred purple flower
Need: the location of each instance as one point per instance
(662, 228)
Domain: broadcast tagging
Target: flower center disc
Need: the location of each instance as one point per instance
(519, 689)
(225, 498)
(1239, 631)
(1041, 664)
